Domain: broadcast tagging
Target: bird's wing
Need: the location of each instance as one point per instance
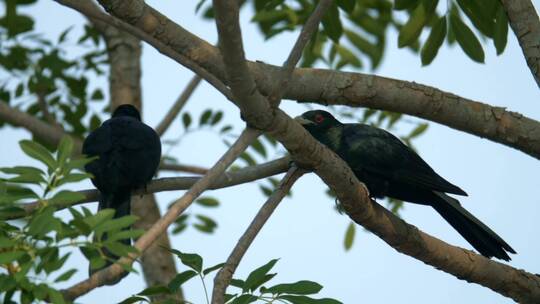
(381, 153)
(98, 141)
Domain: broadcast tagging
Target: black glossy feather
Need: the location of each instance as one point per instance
(128, 154)
(390, 168)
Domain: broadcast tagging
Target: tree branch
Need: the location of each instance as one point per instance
(228, 179)
(312, 25)
(178, 105)
(92, 11)
(332, 87)
(42, 130)
(224, 276)
(252, 104)
(182, 168)
(526, 26)
(114, 271)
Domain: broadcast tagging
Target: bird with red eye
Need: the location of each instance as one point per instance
(390, 168)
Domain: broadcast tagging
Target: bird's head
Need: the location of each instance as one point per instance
(127, 110)
(317, 121)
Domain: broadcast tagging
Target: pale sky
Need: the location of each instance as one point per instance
(305, 232)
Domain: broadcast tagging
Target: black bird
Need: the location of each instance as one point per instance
(390, 168)
(128, 154)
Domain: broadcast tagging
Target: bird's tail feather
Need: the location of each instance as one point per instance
(480, 236)
(121, 203)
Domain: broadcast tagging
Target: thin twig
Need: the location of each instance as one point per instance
(89, 9)
(178, 105)
(114, 271)
(312, 24)
(227, 179)
(224, 276)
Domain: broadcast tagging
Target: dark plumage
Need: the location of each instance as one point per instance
(128, 153)
(389, 168)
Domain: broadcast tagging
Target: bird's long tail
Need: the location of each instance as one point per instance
(480, 236)
(121, 203)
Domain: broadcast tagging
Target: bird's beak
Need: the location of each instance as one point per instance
(301, 120)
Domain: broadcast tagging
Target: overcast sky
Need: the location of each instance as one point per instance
(305, 232)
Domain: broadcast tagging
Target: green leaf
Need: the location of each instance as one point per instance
(216, 118)
(434, 41)
(100, 217)
(66, 275)
(39, 152)
(213, 268)
(300, 287)
(244, 299)
(332, 24)
(207, 201)
(405, 4)
(421, 128)
(410, 32)
(55, 296)
(466, 39)
(481, 14)
(73, 178)
(347, 5)
(307, 300)
(64, 150)
(347, 57)
(97, 95)
(207, 224)
(186, 120)
(366, 47)
(181, 278)
(257, 277)
(10, 256)
(154, 290)
(205, 116)
(258, 146)
(22, 170)
(66, 197)
(115, 224)
(349, 236)
(43, 223)
(134, 299)
(192, 260)
(126, 234)
(500, 33)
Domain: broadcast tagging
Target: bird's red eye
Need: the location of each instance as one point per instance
(319, 118)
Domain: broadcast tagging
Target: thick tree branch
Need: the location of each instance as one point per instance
(526, 26)
(114, 271)
(42, 130)
(224, 276)
(253, 105)
(332, 87)
(178, 105)
(228, 179)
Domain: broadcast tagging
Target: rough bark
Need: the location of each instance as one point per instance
(327, 86)
(526, 26)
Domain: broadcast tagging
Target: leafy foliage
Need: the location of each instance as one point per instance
(32, 251)
(43, 79)
(252, 289)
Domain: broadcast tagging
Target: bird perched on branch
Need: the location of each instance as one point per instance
(128, 154)
(389, 168)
